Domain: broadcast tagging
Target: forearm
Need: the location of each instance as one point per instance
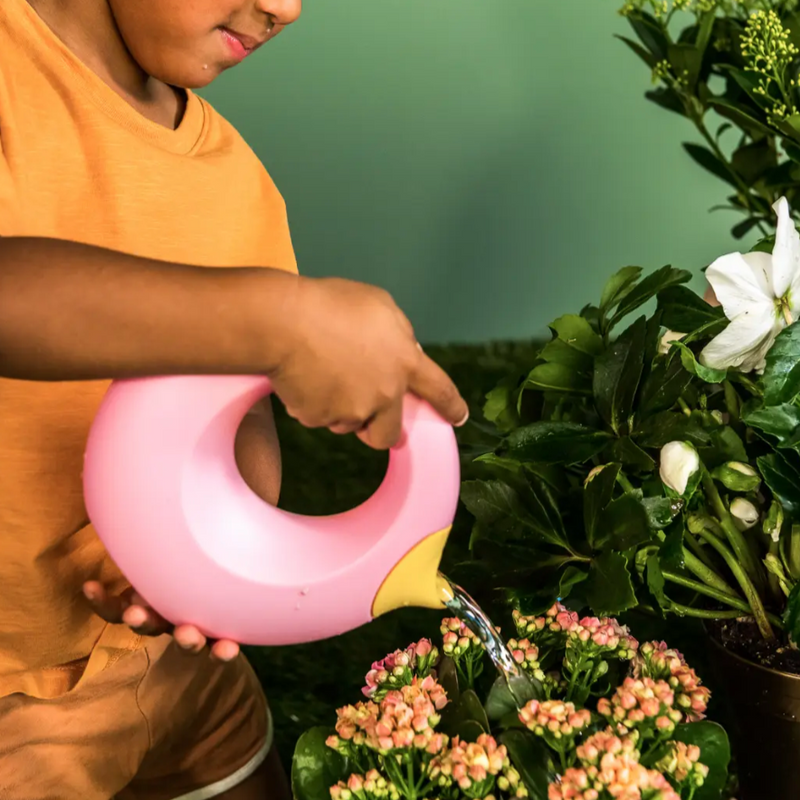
(258, 454)
(74, 312)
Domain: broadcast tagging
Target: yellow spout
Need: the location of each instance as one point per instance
(415, 579)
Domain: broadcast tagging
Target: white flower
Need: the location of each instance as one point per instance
(744, 513)
(679, 463)
(665, 342)
(760, 295)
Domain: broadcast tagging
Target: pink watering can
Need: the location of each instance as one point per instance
(165, 496)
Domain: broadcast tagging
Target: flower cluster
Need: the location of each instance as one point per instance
(558, 722)
(472, 766)
(657, 661)
(619, 778)
(405, 718)
(682, 764)
(457, 638)
(526, 655)
(642, 705)
(604, 743)
(400, 668)
(372, 786)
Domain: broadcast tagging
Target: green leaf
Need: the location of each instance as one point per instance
(447, 676)
(656, 583)
(506, 696)
(630, 455)
(661, 389)
(670, 426)
(558, 378)
(671, 554)
(683, 310)
(791, 616)
(781, 378)
(741, 229)
(780, 422)
(692, 365)
(706, 159)
(315, 766)
(577, 333)
(783, 481)
(609, 589)
(499, 506)
(660, 511)
(532, 760)
(666, 98)
(468, 708)
(597, 494)
(618, 286)
(640, 51)
(750, 82)
(726, 445)
(650, 33)
(715, 753)
(735, 114)
(501, 405)
(624, 524)
(686, 60)
(558, 351)
(554, 443)
(753, 160)
(617, 372)
(569, 579)
(648, 288)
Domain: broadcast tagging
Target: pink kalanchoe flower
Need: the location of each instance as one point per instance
(657, 661)
(372, 786)
(555, 720)
(619, 777)
(642, 705)
(682, 763)
(526, 655)
(473, 766)
(606, 743)
(398, 668)
(457, 638)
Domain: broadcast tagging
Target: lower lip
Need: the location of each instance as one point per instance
(236, 48)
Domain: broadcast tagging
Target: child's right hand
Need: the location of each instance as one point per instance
(350, 358)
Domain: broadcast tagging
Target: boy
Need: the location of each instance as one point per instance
(140, 236)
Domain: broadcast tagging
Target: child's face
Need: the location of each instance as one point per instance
(189, 42)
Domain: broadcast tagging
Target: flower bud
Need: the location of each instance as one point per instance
(665, 343)
(737, 476)
(744, 513)
(680, 468)
(773, 522)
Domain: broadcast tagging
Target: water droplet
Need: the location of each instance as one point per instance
(304, 591)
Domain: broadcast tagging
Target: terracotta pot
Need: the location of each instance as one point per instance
(765, 731)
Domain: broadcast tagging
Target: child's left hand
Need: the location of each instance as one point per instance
(131, 609)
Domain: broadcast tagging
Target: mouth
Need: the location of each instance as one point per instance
(239, 44)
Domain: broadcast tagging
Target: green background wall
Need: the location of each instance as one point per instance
(489, 163)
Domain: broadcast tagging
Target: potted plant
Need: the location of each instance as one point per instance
(655, 463)
(602, 718)
(731, 68)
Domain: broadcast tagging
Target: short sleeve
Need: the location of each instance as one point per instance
(8, 213)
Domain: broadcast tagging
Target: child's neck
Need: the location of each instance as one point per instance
(88, 29)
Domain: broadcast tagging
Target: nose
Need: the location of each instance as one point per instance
(282, 12)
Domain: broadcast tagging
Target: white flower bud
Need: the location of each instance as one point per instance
(679, 464)
(744, 513)
(665, 342)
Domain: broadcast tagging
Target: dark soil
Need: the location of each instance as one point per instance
(741, 637)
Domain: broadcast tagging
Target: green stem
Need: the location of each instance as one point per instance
(734, 536)
(698, 550)
(702, 588)
(794, 553)
(684, 407)
(731, 401)
(753, 598)
(703, 613)
(624, 482)
(706, 574)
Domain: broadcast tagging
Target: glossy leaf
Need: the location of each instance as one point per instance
(617, 372)
(554, 443)
(648, 288)
(684, 310)
(618, 286)
(670, 426)
(575, 331)
(468, 708)
(693, 366)
(640, 51)
(623, 524)
(597, 494)
(715, 753)
(780, 422)
(781, 378)
(554, 377)
(506, 697)
(650, 33)
(609, 589)
(532, 760)
(630, 455)
(501, 405)
(315, 766)
(783, 480)
(666, 382)
(709, 161)
(558, 351)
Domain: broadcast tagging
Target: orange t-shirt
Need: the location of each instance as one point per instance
(77, 162)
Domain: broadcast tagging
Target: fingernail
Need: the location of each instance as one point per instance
(90, 593)
(134, 616)
(463, 421)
